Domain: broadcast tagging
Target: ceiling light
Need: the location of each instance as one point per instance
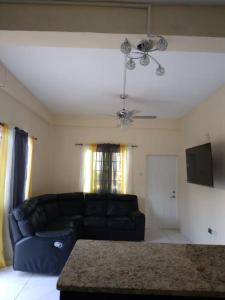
(144, 60)
(160, 71)
(162, 44)
(142, 52)
(126, 47)
(131, 64)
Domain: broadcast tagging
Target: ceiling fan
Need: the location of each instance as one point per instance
(126, 117)
(141, 53)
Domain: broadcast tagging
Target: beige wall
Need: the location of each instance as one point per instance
(152, 137)
(202, 207)
(185, 20)
(27, 113)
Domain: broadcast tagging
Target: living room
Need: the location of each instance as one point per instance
(62, 86)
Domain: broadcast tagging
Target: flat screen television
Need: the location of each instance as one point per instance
(200, 165)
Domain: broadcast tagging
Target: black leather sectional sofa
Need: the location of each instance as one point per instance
(45, 228)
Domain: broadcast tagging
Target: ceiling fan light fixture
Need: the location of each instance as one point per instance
(124, 122)
(126, 47)
(145, 60)
(130, 64)
(123, 96)
(160, 71)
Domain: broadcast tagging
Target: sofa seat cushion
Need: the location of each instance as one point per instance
(60, 225)
(55, 234)
(95, 222)
(121, 223)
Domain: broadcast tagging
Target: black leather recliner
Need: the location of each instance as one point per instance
(44, 229)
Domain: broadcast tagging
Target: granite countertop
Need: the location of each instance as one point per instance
(144, 268)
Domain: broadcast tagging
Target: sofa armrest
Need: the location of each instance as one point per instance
(139, 219)
(137, 214)
(54, 234)
(43, 252)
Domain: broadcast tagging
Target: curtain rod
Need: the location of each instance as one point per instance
(133, 146)
(31, 136)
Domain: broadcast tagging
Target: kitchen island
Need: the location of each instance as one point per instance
(110, 269)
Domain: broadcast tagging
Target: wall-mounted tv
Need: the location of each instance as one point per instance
(200, 165)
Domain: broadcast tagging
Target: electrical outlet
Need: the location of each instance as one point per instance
(210, 230)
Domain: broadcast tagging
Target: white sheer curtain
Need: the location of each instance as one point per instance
(129, 171)
(85, 170)
(8, 195)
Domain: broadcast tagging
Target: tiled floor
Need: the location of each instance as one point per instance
(26, 286)
(165, 236)
(15, 285)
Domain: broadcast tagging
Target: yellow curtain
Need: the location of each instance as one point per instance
(4, 136)
(123, 167)
(28, 186)
(93, 153)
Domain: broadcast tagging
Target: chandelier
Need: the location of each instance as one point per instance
(142, 52)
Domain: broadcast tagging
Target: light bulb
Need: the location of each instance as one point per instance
(131, 64)
(160, 71)
(126, 47)
(162, 44)
(144, 60)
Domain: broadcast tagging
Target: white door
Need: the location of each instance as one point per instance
(161, 208)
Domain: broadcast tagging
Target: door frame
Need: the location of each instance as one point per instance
(146, 187)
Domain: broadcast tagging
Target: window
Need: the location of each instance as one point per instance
(105, 168)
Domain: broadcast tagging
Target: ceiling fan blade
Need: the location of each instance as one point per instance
(144, 117)
(133, 112)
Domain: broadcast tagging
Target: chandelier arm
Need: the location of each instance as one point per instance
(130, 56)
(154, 59)
(153, 50)
(152, 35)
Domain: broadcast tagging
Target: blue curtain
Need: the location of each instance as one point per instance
(20, 163)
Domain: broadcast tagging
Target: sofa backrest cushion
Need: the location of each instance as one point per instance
(95, 204)
(71, 204)
(38, 218)
(51, 209)
(121, 205)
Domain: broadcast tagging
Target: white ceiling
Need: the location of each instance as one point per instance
(77, 81)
